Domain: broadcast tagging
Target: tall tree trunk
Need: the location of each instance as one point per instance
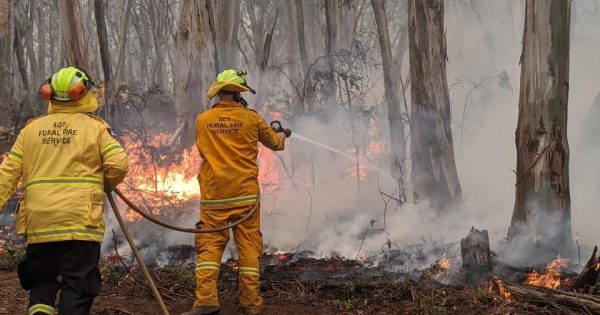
(41, 38)
(195, 66)
(100, 14)
(262, 67)
(226, 12)
(72, 31)
(33, 66)
(20, 57)
(122, 47)
(392, 99)
(434, 174)
(158, 74)
(6, 71)
(330, 45)
(141, 36)
(542, 201)
(53, 35)
(301, 35)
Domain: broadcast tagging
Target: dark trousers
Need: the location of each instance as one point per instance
(71, 266)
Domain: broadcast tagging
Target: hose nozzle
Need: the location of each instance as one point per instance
(277, 127)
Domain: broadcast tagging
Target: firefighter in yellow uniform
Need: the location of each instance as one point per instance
(64, 160)
(227, 136)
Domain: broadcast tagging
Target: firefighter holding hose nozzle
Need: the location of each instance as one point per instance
(227, 137)
(65, 159)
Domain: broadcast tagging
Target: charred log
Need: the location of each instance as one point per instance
(589, 279)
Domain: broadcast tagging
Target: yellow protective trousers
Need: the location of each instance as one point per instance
(209, 250)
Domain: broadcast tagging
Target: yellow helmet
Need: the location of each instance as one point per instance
(230, 80)
(68, 84)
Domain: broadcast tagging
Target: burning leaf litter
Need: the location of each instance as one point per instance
(551, 278)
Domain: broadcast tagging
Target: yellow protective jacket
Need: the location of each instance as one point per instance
(227, 138)
(63, 158)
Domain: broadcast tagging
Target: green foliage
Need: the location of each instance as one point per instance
(10, 255)
(344, 305)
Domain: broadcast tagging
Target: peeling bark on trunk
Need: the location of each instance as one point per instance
(434, 174)
(195, 66)
(392, 99)
(542, 210)
(6, 70)
(72, 33)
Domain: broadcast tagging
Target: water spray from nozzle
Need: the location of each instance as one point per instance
(340, 152)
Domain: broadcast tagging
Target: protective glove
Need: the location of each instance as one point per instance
(277, 127)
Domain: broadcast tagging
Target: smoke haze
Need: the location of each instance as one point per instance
(484, 47)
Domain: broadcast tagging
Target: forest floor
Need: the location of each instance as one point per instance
(290, 286)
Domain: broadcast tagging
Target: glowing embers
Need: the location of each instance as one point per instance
(551, 278)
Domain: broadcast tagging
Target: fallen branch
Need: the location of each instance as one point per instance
(562, 301)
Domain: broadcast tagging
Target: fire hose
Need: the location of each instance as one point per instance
(155, 220)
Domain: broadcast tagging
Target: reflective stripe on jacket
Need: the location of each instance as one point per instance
(63, 160)
(227, 138)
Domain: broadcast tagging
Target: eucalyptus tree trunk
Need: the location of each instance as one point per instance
(6, 71)
(226, 14)
(301, 34)
(41, 39)
(331, 7)
(71, 27)
(391, 84)
(434, 175)
(99, 15)
(28, 18)
(157, 23)
(194, 66)
(542, 210)
(144, 50)
(122, 47)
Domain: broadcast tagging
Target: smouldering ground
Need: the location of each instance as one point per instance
(291, 284)
(305, 286)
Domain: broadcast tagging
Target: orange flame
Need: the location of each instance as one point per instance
(551, 277)
(442, 266)
(495, 285)
(163, 181)
(445, 262)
